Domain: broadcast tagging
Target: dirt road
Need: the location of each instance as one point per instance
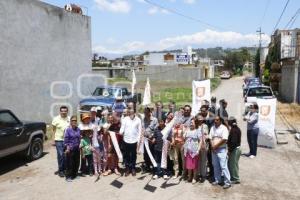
(274, 174)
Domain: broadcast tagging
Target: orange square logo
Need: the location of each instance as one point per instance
(265, 110)
(200, 91)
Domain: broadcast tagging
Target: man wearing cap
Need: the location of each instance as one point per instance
(59, 124)
(222, 112)
(118, 106)
(94, 119)
(131, 129)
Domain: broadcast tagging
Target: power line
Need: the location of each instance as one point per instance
(182, 15)
(294, 18)
(266, 8)
(287, 2)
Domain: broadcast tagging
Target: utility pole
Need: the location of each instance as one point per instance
(257, 71)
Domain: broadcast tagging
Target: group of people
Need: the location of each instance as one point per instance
(173, 142)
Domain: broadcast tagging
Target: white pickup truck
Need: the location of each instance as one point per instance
(255, 92)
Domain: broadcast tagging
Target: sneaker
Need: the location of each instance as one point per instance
(194, 181)
(133, 173)
(215, 183)
(61, 174)
(226, 186)
(235, 182)
(155, 177)
(56, 172)
(68, 179)
(252, 156)
(166, 177)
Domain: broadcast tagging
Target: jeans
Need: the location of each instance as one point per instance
(72, 163)
(252, 140)
(233, 164)
(130, 155)
(60, 155)
(220, 163)
(157, 156)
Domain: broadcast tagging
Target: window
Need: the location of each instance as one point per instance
(7, 120)
(259, 92)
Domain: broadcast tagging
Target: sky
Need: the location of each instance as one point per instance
(130, 26)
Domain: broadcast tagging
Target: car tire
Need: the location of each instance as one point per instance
(35, 149)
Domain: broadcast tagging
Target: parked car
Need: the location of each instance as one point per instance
(225, 75)
(258, 92)
(250, 82)
(105, 96)
(20, 136)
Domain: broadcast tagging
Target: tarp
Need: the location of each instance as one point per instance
(201, 91)
(266, 122)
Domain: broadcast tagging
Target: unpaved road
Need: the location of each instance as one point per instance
(274, 174)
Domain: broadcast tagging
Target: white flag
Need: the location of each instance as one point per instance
(133, 82)
(201, 91)
(266, 122)
(147, 94)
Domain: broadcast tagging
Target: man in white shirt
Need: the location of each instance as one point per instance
(218, 136)
(131, 129)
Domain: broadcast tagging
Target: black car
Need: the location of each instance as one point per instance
(20, 136)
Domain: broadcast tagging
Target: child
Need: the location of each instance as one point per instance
(86, 153)
(191, 151)
(110, 155)
(158, 142)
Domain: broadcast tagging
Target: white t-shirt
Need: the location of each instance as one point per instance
(131, 129)
(219, 133)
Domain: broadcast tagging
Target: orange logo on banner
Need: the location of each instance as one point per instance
(200, 91)
(265, 110)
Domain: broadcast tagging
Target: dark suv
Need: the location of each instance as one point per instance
(20, 136)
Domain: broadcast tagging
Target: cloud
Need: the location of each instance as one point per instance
(189, 1)
(117, 6)
(154, 10)
(207, 38)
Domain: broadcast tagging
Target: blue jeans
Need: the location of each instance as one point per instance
(252, 140)
(220, 160)
(60, 155)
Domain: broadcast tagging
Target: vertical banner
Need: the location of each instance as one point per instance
(201, 91)
(147, 94)
(266, 122)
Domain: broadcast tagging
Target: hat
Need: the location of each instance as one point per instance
(106, 126)
(98, 108)
(85, 116)
(93, 109)
(118, 98)
(85, 127)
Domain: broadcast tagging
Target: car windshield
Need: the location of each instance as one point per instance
(110, 92)
(259, 92)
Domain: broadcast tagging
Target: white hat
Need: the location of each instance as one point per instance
(98, 108)
(106, 126)
(93, 109)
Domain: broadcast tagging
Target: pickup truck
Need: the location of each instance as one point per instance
(20, 136)
(105, 96)
(260, 91)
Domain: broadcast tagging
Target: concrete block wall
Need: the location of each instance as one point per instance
(168, 73)
(289, 83)
(42, 46)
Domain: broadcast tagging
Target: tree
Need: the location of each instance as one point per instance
(257, 63)
(95, 57)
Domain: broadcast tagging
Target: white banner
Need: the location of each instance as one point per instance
(266, 122)
(201, 91)
(147, 94)
(116, 145)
